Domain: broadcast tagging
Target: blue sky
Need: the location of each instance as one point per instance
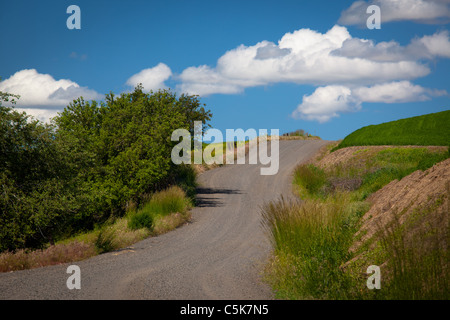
(286, 65)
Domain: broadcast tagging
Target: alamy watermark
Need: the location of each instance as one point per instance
(74, 280)
(74, 21)
(374, 281)
(374, 21)
(214, 153)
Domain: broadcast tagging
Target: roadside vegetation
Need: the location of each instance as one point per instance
(97, 178)
(321, 243)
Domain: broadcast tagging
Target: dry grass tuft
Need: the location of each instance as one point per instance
(54, 254)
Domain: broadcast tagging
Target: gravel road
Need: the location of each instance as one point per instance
(218, 255)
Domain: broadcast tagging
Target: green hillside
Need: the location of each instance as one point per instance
(430, 130)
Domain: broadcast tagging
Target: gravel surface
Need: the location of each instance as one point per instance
(218, 255)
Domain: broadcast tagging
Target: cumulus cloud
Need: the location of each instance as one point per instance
(41, 95)
(437, 45)
(422, 11)
(395, 92)
(326, 103)
(43, 115)
(271, 51)
(308, 57)
(37, 89)
(348, 71)
(427, 47)
(151, 78)
(330, 101)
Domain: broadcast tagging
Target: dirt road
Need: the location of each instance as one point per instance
(218, 255)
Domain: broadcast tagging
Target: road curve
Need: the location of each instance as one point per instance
(218, 255)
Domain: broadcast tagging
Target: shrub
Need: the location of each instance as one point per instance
(141, 219)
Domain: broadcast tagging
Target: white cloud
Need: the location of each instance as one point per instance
(151, 78)
(304, 57)
(427, 47)
(43, 96)
(437, 45)
(328, 102)
(422, 11)
(37, 89)
(395, 92)
(349, 71)
(43, 115)
(271, 51)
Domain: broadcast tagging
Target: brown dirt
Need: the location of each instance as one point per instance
(342, 156)
(420, 192)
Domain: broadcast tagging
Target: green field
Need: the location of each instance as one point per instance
(430, 130)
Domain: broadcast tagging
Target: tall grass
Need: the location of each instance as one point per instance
(417, 256)
(310, 177)
(312, 238)
(161, 204)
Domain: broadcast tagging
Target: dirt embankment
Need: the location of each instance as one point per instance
(362, 153)
(423, 193)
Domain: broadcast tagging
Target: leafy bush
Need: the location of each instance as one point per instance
(96, 157)
(141, 219)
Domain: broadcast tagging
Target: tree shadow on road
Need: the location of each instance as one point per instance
(204, 198)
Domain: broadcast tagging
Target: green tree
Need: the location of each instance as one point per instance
(34, 203)
(86, 165)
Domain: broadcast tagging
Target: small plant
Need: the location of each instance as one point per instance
(104, 241)
(141, 219)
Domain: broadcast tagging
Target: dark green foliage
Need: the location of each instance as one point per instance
(427, 130)
(86, 166)
(141, 219)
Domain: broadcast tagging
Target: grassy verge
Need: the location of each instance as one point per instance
(426, 130)
(164, 211)
(312, 238)
(311, 241)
